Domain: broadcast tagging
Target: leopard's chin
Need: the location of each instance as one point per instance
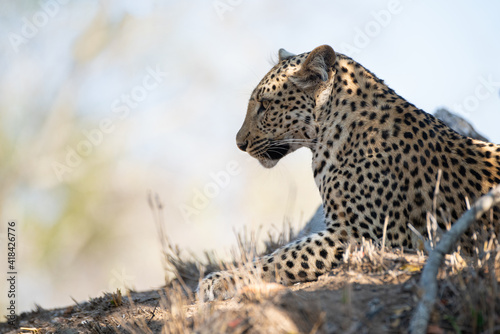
(267, 163)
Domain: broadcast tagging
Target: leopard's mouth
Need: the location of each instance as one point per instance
(273, 154)
(277, 151)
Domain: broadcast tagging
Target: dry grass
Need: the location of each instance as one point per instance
(374, 291)
(468, 295)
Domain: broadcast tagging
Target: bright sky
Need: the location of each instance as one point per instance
(192, 66)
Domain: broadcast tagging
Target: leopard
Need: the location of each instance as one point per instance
(381, 165)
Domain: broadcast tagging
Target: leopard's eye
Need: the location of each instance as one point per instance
(264, 105)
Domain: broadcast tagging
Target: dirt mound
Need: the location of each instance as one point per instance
(373, 292)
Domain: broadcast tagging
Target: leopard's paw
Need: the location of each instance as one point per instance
(217, 285)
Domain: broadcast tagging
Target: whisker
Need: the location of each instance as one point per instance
(295, 141)
(280, 142)
(260, 146)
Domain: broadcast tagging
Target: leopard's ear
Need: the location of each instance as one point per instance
(283, 54)
(316, 68)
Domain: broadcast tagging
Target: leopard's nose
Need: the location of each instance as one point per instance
(243, 145)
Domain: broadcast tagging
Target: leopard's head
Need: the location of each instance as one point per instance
(281, 112)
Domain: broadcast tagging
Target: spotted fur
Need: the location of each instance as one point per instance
(375, 157)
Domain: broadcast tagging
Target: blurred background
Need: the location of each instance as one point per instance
(103, 102)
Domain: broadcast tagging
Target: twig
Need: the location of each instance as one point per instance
(436, 191)
(384, 233)
(153, 312)
(417, 233)
(428, 281)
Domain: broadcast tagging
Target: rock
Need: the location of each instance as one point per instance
(315, 224)
(458, 123)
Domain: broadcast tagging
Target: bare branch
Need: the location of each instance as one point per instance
(428, 281)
